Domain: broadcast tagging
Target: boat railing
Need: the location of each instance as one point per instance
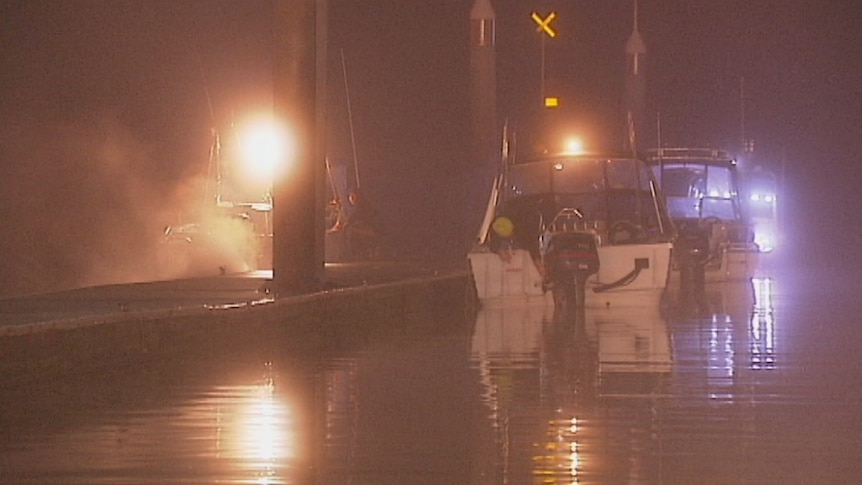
(570, 220)
(567, 220)
(688, 154)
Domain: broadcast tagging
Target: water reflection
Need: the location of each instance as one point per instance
(728, 331)
(263, 436)
(243, 432)
(762, 331)
(619, 395)
(712, 389)
(567, 395)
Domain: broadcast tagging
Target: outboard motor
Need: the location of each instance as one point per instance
(570, 258)
(691, 253)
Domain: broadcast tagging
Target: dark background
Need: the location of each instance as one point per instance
(105, 121)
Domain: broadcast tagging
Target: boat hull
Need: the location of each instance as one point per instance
(737, 262)
(517, 281)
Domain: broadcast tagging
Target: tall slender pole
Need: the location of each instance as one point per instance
(350, 120)
(542, 70)
(742, 114)
(635, 85)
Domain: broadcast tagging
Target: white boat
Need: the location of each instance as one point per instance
(587, 229)
(715, 237)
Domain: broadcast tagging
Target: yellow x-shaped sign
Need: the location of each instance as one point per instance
(545, 23)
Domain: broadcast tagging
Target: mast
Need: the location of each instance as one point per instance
(635, 84)
(350, 120)
(743, 144)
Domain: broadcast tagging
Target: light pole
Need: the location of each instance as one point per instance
(544, 28)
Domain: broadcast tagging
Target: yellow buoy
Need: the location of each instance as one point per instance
(503, 227)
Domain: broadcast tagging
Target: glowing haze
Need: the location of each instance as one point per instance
(107, 111)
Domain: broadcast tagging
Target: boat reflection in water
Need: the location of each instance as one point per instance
(729, 329)
(572, 396)
(624, 395)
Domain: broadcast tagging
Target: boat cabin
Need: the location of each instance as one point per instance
(698, 183)
(616, 198)
(715, 238)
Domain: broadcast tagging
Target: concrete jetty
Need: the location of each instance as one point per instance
(83, 329)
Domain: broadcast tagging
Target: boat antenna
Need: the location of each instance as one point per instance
(331, 179)
(206, 84)
(350, 119)
(214, 162)
(659, 149)
(742, 113)
(507, 153)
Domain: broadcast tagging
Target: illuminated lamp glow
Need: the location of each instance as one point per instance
(266, 148)
(574, 146)
(768, 198)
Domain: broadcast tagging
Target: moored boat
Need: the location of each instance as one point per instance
(581, 229)
(715, 238)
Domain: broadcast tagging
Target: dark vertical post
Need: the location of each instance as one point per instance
(298, 97)
(483, 82)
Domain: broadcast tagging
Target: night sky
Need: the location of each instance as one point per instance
(105, 113)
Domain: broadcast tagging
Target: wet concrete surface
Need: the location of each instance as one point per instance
(750, 382)
(122, 300)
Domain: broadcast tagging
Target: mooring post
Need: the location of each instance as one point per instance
(298, 100)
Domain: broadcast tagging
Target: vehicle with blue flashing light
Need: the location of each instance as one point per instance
(761, 193)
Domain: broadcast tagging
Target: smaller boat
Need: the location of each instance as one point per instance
(715, 238)
(227, 238)
(576, 230)
(230, 230)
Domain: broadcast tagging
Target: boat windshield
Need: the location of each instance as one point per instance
(697, 190)
(604, 191)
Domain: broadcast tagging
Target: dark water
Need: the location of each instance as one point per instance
(754, 382)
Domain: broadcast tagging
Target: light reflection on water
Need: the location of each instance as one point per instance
(715, 388)
(230, 433)
(721, 387)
